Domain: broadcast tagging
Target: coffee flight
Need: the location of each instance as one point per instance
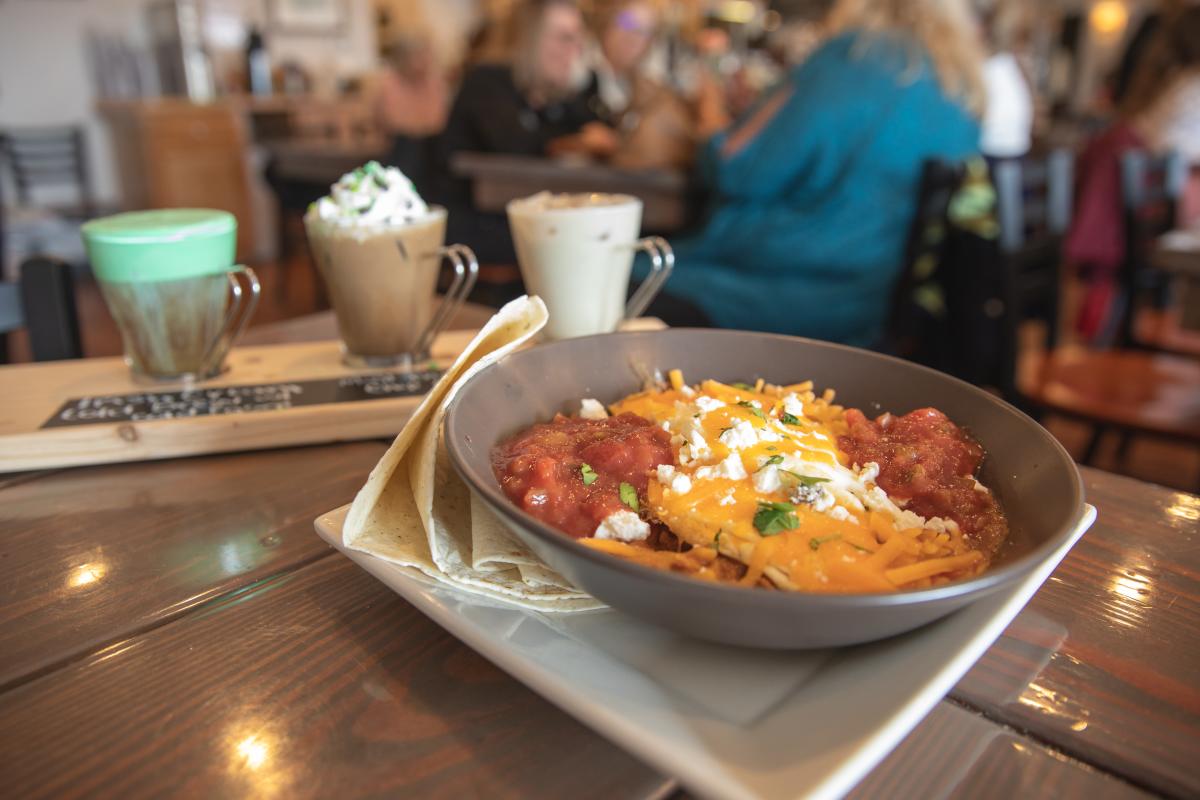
(170, 282)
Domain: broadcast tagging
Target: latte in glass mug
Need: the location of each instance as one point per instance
(576, 252)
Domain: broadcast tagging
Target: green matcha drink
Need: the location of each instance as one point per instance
(166, 278)
(379, 248)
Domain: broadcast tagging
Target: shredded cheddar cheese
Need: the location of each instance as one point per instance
(763, 470)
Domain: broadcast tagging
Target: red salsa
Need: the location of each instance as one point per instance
(927, 464)
(542, 468)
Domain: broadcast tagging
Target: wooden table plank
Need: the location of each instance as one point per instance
(1104, 663)
(318, 683)
(94, 554)
(955, 753)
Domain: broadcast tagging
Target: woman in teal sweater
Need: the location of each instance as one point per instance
(814, 191)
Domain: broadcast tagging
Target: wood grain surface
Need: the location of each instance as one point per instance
(89, 556)
(1104, 663)
(317, 683)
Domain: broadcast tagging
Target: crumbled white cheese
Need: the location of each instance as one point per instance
(839, 513)
(624, 526)
(740, 435)
(979, 487)
(590, 408)
(824, 501)
(676, 481)
(868, 472)
(698, 445)
(687, 391)
(705, 404)
(728, 499)
(792, 405)
(731, 468)
(766, 479)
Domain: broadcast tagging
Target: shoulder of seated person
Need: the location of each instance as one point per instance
(489, 75)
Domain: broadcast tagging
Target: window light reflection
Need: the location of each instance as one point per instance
(87, 574)
(253, 751)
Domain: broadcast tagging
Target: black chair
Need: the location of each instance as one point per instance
(45, 157)
(1151, 186)
(1033, 208)
(42, 302)
(917, 321)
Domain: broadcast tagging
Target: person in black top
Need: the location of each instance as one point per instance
(519, 108)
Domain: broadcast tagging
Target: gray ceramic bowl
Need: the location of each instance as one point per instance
(1033, 476)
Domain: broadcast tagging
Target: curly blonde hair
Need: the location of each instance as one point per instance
(945, 30)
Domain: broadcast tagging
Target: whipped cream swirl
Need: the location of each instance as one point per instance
(369, 196)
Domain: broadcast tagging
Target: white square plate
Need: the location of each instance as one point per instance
(728, 722)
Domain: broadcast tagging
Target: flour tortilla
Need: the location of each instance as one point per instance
(415, 511)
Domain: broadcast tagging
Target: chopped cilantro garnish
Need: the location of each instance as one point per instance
(804, 480)
(789, 419)
(745, 387)
(629, 496)
(816, 542)
(770, 461)
(860, 548)
(771, 448)
(589, 474)
(773, 518)
(755, 411)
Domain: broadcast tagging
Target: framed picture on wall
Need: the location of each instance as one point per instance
(308, 16)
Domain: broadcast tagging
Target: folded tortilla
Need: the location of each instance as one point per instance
(415, 511)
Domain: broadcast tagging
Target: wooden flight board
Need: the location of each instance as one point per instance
(90, 411)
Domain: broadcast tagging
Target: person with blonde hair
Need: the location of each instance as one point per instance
(519, 107)
(815, 188)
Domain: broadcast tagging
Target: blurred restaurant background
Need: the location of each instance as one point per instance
(1052, 258)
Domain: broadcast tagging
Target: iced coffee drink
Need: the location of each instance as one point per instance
(378, 247)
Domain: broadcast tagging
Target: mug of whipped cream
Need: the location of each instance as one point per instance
(379, 249)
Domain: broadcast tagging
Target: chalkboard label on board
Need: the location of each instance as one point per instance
(218, 400)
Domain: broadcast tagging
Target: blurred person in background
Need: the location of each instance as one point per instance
(519, 108)
(1161, 113)
(815, 189)
(1008, 118)
(411, 102)
(643, 124)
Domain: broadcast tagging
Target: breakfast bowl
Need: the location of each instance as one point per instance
(1033, 478)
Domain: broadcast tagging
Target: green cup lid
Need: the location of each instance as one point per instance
(160, 225)
(162, 244)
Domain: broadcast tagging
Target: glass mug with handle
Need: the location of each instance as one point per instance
(169, 281)
(382, 281)
(576, 252)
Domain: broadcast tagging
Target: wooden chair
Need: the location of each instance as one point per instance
(43, 157)
(1127, 390)
(42, 302)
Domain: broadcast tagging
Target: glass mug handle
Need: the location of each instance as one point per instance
(466, 270)
(662, 261)
(239, 313)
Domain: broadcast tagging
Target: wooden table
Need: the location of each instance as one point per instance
(497, 179)
(177, 628)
